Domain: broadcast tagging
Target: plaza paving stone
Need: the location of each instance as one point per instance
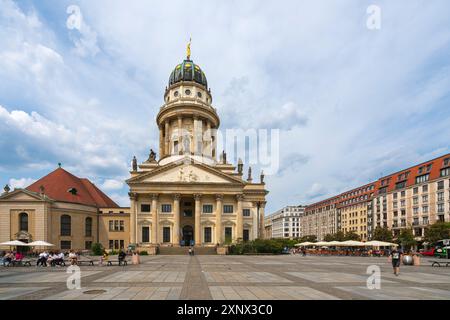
(229, 277)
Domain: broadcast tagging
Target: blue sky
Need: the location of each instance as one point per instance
(352, 104)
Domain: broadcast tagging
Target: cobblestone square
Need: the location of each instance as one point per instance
(287, 277)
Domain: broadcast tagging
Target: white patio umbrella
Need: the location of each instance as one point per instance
(377, 243)
(321, 243)
(334, 243)
(352, 243)
(40, 244)
(304, 244)
(14, 243)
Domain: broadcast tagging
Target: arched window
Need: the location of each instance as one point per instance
(88, 227)
(23, 221)
(66, 225)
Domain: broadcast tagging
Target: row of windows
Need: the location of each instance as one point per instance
(67, 245)
(116, 225)
(207, 208)
(207, 234)
(65, 225)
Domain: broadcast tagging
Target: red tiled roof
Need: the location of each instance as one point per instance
(57, 183)
(413, 172)
(391, 180)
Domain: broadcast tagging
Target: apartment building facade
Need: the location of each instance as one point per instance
(320, 219)
(415, 198)
(284, 223)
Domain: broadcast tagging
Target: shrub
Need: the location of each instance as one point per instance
(97, 249)
(143, 253)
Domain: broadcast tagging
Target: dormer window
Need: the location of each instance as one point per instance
(73, 191)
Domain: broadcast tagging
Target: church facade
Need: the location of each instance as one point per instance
(187, 196)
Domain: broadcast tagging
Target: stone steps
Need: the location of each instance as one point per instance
(185, 250)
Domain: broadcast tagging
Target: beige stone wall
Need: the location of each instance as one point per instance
(113, 214)
(44, 220)
(354, 218)
(420, 208)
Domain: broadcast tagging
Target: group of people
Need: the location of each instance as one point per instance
(11, 257)
(50, 259)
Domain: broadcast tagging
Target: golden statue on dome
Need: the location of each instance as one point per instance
(189, 49)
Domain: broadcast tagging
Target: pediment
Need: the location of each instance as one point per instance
(22, 195)
(186, 173)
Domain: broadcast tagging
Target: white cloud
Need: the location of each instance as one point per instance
(356, 102)
(111, 184)
(20, 183)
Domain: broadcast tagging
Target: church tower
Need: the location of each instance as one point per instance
(187, 197)
(187, 121)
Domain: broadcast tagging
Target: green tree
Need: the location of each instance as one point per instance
(310, 238)
(351, 235)
(97, 249)
(406, 238)
(339, 236)
(382, 234)
(329, 237)
(437, 231)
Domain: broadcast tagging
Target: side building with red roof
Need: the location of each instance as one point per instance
(65, 210)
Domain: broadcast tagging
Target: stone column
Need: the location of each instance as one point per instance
(197, 231)
(155, 219)
(161, 142)
(166, 140)
(208, 152)
(194, 134)
(133, 217)
(239, 217)
(176, 216)
(180, 135)
(219, 210)
(262, 205)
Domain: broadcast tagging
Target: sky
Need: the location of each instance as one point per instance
(352, 103)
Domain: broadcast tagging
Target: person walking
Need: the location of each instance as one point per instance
(396, 257)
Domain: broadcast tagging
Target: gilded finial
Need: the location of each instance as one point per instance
(188, 53)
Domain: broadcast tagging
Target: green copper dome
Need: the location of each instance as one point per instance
(188, 71)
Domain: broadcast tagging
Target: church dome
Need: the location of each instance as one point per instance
(188, 71)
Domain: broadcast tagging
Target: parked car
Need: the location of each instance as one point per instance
(428, 253)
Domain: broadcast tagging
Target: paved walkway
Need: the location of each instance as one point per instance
(230, 277)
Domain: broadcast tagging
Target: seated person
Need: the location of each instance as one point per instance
(104, 257)
(7, 259)
(122, 256)
(73, 257)
(42, 259)
(58, 259)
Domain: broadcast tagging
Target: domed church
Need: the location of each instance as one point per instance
(184, 196)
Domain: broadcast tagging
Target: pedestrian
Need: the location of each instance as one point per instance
(396, 257)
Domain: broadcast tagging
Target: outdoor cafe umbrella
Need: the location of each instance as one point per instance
(304, 244)
(321, 243)
(14, 243)
(352, 243)
(376, 243)
(334, 243)
(40, 244)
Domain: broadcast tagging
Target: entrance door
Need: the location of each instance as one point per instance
(188, 235)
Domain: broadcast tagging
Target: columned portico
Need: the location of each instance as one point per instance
(154, 208)
(239, 217)
(176, 220)
(197, 229)
(219, 211)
